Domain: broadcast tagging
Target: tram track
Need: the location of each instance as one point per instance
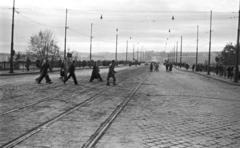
(47, 123)
(93, 140)
(63, 90)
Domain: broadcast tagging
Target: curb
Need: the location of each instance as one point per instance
(232, 83)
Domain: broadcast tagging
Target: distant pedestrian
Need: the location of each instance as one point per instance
(71, 74)
(170, 67)
(28, 62)
(193, 67)
(151, 67)
(95, 73)
(38, 63)
(111, 73)
(52, 63)
(166, 65)
(156, 67)
(62, 71)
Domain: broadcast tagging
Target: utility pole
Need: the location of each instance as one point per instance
(177, 52)
(174, 55)
(181, 54)
(237, 52)
(137, 53)
(12, 38)
(133, 51)
(65, 41)
(116, 47)
(126, 51)
(209, 53)
(196, 51)
(91, 43)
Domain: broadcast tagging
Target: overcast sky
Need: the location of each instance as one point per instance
(147, 22)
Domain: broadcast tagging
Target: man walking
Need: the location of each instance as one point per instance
(111, 73)
(72, 73)
(44, 73)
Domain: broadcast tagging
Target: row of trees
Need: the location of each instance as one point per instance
(228, 55)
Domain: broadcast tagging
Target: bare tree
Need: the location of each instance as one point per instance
(43, 45)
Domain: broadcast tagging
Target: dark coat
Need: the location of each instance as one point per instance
(45, 68)
(95, 71)
(72, 69)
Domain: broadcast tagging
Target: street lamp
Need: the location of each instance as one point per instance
(127, 50)
(209, 53)
(237, 52)
(12, 37)
(116, 46)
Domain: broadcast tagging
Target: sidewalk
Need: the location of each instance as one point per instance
(212, 75)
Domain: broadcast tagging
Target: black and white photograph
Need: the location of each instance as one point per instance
(119, 74)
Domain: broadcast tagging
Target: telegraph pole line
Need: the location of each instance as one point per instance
(209, 53)
(91, 43)
(12, 38)
(181, 53)
(237, 52)
(126, 51)
(133, 51)
(196, 51)
(116, 46)
(65, 41)
(177, 53)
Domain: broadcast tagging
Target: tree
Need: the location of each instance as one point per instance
(228, 55)
(43, 45)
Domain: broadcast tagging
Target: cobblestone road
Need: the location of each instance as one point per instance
(178, 110)
(170, 110)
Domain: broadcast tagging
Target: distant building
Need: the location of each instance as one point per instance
(4, 57)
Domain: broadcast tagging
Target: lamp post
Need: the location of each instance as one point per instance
(181, 53)
(177, 53)
(65, 41)
(237, 52)
(127, 50)
(133, 51)
(116, 46)
(137, 52)
(12, 38)
(209, 53)
(91, 44)
(196, 51)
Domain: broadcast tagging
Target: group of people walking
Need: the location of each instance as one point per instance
(225, 71)
(155, 66)
(66, 73)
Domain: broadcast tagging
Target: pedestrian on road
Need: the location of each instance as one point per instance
(166, 65)
(44, 73)
(38, 63)
(111, 73)
(95, 73)
(62, 71)
(151, 67)
(193, 67)
(72, 73)
(27, 63)
(170, 67)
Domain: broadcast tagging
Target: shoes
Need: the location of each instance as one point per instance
(108, 84)
(39, 83)
(49, 82)
(76, 84)
(64, 82)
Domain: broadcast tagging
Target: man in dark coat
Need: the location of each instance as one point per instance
(28, 62)
(71, 73)
(111, 73)
(44, 73)
(95, 73)
(151, 67)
